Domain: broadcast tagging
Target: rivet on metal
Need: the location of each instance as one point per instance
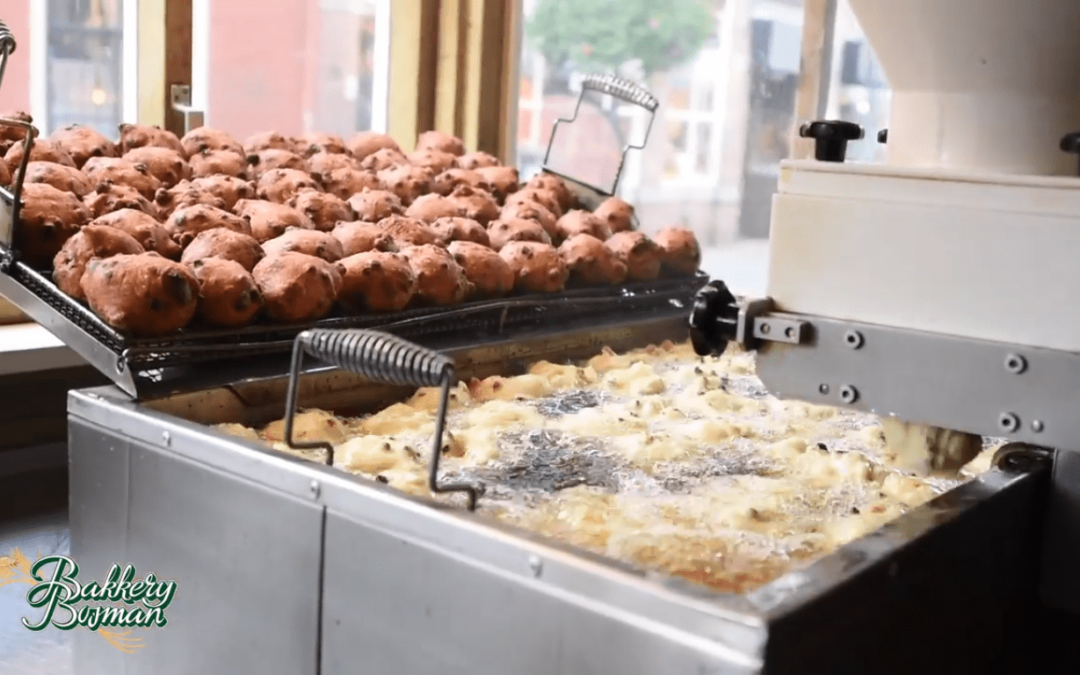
(1037, 426)
(849, 394)
(823, 388)
(765, 328)
(1016, 364)
(315, 488)
(853, 339)
(536, 566)
(1008, 422)
(789, 333)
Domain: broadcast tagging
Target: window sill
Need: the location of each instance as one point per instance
(27, 347)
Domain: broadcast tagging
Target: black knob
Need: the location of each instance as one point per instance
(714, 319)
(883, 136)
(1070, 143)
(831, 138)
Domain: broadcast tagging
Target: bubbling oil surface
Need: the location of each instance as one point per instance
(656, 457)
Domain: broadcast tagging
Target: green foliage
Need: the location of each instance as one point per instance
(601, 35)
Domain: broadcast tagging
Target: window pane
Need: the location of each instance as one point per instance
(315, 65)
(725, 72)
(859, 91)
(69, 65)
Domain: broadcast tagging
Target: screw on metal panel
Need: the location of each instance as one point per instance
(167, 437)
(853, 339)
(1008, 422)
(765, 328)
(1037, 426)
(823, 388)
(536, 566)
(315, 489)
(849, 394)
(1016, 364)
(789, 333)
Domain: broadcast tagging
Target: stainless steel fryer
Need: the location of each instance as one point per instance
(287, 566)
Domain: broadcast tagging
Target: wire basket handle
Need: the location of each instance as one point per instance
(11, 199)
(382, 358)
(7, 47)
(624, 90)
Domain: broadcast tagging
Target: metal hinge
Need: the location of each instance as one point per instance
(765, 326)
(181, 103)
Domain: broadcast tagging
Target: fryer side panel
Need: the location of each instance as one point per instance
(396, 606)
(246, 559)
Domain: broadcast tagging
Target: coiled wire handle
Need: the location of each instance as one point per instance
(383, 358)
(7, 47)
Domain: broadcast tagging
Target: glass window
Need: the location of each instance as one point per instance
(313, 65)
(859, 91)
(725, 72)
(69, 65)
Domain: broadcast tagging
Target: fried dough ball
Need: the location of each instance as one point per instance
(361, 237)
(384, 159)
(266, 140)
(618, 215)
(590, 262)
(205, 138)
(297, 287)
(475, 204)
(344, 183)
(225, 244)
(485, 269)
(108, 197)
(324, 162)
(581, 222)
(66, 178)
(431, 207)
(269, 220)
(186, 223)
(436, 160)
(315, 142)
(48, 218)
(367, 143)
(122, 172)
(142, 227)
(168, 166)
(502, 179)
(374, 205)
(407, 182)
(144, 136)
(312, 242)
(549, 200)
(281, 185)
(229, 297)
(531, 211)
(476, 160)
(82, 143)
(448, 180)
(325, 210)
(92, 241)
(460, 229)
(274, 158)
(218, 162)
(376, 281)
(14, 134)
(185, 194)
(5, 174)
(227, 188)
(440, 280)
(640, 254)
(438, 140)
(552, 183)
(502, 232)
(144, 294)
(42, 150)
(537, 268)
(407, 231)
(681, 252)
